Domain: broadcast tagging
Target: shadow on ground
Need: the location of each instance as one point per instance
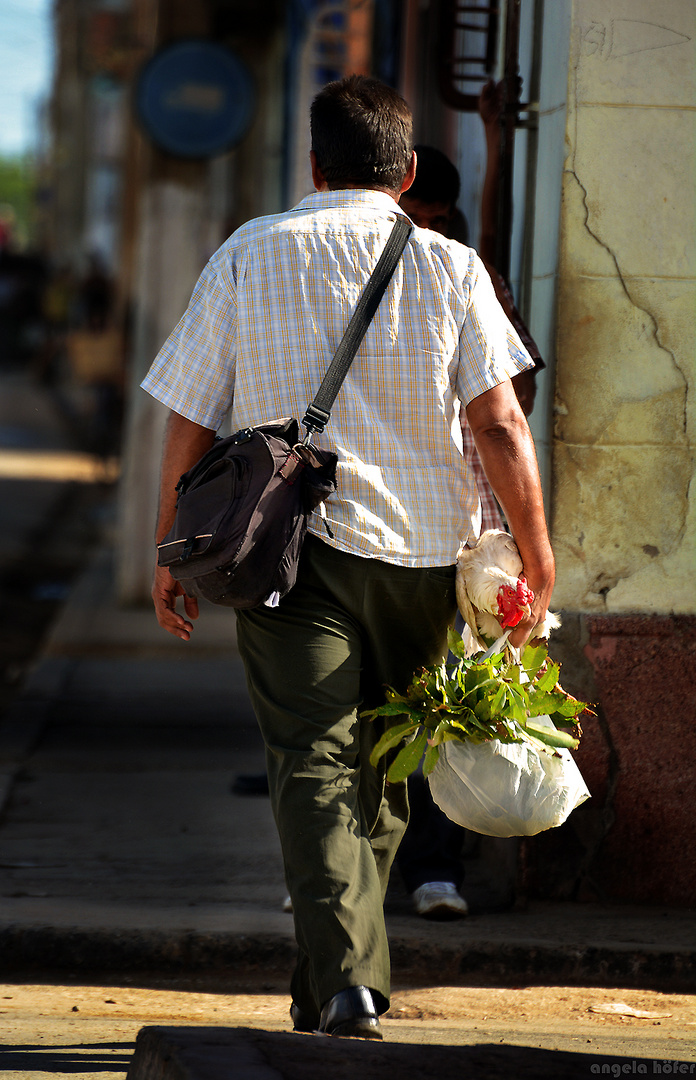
(78, 1058)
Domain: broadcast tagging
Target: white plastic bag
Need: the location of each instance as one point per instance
(506, 789)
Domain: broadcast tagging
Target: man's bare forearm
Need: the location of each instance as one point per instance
(505, 446)
(184, 443)
(508, 459)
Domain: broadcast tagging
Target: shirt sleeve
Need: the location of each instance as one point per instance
(193, 374)
(490, 349)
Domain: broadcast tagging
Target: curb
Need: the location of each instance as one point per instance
(248, 955)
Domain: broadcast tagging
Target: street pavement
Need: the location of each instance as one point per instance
(123, 848)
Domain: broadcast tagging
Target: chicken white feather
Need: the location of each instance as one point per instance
(492, 592)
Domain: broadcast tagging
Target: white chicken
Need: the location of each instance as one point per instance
(492, 592)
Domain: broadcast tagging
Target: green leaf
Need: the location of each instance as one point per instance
(571, 702)
(533, 658)
(437, 735)
(517, 704)
(569, 708)
(391, 737)
(556, 702)
(459, 725)
(406, 761)
(432, 685)
(432, 754)
(478, 739)
(552, 738)
(549, 679)
(455, 643)
(475, 677)
(390, 708)
(498, 702)
(483, 710)
(543, 703)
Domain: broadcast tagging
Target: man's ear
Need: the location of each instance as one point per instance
(410, 175)
(317, 175)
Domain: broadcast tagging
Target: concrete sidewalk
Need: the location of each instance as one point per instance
(122, 847)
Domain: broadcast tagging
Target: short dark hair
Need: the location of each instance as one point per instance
(437, 179)
(362, 134)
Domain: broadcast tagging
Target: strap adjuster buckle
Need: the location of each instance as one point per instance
(315, 419)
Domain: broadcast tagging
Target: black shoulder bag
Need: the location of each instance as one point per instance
(241, 513)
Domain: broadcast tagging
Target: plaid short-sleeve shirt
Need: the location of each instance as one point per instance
(262, 326)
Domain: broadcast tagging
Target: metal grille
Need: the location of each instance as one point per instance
(467, 47)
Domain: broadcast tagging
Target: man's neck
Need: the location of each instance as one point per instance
(359, 187)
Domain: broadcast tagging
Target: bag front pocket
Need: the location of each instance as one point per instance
(202, 509)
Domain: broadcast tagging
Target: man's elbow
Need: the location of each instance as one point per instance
(496, 414)
(185, 436)
(500, 430)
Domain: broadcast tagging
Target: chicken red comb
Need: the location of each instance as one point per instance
(512, 601)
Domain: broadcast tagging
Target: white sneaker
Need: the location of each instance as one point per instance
(287, 905)
(439, 900)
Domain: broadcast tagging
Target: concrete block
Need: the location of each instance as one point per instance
(615, 380)
(671, 305)
(190, 1053)
(618, 511)
(628, 49)
(634, 166)
(194, 1054)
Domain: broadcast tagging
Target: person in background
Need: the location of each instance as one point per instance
(95, 352)
(430, 855)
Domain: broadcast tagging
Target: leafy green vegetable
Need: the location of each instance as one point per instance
(479, 699)
(552, 738)
(407, 759)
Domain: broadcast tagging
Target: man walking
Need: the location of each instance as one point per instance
(375, 594)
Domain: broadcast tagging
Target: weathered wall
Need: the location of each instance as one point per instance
(623, 517)
(622, 451)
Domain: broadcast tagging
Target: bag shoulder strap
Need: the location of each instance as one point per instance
(318, 413)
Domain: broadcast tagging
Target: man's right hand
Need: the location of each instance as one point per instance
(184, 443)
(541, 583)
(165, 591)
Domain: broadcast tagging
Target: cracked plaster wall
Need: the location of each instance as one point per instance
(624, 521)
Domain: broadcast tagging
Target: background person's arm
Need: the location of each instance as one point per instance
(184, 443)
(506, 449)
(490, 106)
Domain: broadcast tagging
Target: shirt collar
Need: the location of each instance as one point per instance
(349, 199)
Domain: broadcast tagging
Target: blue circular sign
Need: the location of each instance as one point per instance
(195, 99)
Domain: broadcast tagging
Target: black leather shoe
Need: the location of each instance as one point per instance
(351, 1014)
(300, 1020)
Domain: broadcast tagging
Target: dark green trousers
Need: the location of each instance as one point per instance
(348, 627)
